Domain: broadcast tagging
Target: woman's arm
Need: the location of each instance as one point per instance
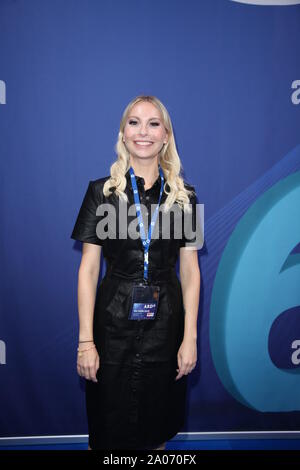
(190, 284)
(88, 274)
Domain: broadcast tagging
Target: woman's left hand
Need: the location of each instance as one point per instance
(186, 357)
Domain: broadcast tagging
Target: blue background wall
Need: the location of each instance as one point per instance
(229, 74)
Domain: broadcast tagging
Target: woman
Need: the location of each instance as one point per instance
(136, 361)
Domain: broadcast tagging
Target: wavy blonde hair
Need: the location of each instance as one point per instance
(168, 159)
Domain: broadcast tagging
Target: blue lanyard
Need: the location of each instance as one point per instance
(146, 241)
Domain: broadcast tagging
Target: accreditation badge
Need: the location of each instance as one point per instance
(144, 303)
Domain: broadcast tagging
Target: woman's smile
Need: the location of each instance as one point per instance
(143, 143)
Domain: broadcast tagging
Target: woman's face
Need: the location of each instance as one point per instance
(144, 132)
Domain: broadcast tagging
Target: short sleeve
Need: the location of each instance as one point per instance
(85, 226)
(190, 224)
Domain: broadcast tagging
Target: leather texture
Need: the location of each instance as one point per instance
(136, 403)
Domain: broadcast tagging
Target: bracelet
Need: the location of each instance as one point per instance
(91, 341)
(83, 350)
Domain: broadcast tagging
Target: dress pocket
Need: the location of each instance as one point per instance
(117, 309)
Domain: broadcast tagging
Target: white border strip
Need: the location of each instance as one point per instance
(269, 2)
(181, 436)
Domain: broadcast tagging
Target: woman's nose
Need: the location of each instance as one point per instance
(143, 129)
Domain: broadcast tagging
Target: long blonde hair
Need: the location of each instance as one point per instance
(168, 159)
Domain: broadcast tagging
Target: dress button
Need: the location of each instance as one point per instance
(137, 337)
(134, 389)
(147, 197)
(137, 355)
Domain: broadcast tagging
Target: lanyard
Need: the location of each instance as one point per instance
(146, 241)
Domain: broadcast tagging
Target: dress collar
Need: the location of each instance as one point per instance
(140, 180)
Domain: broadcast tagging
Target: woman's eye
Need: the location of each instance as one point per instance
(132, 122)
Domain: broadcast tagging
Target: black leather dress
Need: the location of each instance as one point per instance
(136, 402)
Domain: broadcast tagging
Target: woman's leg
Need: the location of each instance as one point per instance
(161, 447)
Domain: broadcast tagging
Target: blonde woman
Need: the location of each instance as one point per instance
(138, 329)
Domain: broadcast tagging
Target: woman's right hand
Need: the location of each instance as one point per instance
(88, 364)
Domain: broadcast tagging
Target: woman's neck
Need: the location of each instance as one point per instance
(147, 170)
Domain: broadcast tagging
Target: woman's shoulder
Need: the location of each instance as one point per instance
(99, 182)
(96, 188)
(190, 187)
